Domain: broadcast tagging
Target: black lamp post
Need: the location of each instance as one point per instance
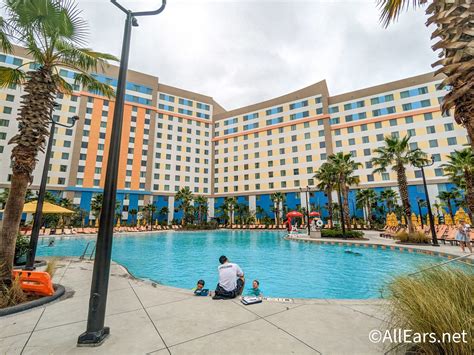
(96, 332)
(419, 202)
(428, 205)
(30, 261)
(306, 191)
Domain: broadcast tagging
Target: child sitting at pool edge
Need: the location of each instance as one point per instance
(199, 290)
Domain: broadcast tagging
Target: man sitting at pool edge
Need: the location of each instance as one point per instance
(231, 280)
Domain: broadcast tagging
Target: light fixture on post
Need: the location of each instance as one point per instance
(30, 261)
(96, 332)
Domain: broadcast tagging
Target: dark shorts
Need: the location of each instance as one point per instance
(221, 293)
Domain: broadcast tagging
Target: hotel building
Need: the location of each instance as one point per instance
(174, 138)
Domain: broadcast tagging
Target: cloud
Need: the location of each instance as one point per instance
(242, 52)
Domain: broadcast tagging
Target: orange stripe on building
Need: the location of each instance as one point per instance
(385, 118)
(268, 128)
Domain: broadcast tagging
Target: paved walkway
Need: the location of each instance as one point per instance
(146, 318)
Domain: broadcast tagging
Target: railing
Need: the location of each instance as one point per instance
(441, 264)
(85, 251)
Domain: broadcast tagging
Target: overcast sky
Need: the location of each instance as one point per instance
(243, 52)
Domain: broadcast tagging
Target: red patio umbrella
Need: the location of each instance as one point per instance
(314, 214)
(293, 214)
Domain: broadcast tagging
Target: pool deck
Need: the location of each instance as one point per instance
(149, 318)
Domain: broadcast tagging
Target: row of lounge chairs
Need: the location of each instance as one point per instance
(253, 226)
(93, 230)
(445, 234)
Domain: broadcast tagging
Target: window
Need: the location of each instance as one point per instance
(433, 143)
(428, 116)
(7, 110)
(351, 141)
(411, 132)
(452, 141)
(385, 176)
(436, 157)
(425, 103)
(404, 94)
(370, 178)
(407, 107)
(409, 119)
(378, 125)
(438, 172)
(418, 174)
(365, 139)
(10, 98)
(379, 137)
(448, 127)
(367, 152)
(363, 127)
(430, 129)
(393, 122)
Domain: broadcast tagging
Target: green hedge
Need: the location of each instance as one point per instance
(337, 233)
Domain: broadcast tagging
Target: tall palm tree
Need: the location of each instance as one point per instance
(96, 205)
(326, 177)
(390, 197)
(185, 196)
(447, 197)
(277, 198)
(150, 210)
(202, 208)
(230, 204)
(396, 153)
(460, 169)
(453, 20)
(53, 33)
(344, 167)
(133, 212)
(259, 212)
(164, 212)
(365, 199)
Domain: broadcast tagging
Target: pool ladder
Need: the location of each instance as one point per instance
(84, 253)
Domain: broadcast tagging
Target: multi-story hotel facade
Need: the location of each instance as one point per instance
(173, 138)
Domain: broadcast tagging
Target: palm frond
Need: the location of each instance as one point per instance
(90, 83)
(5, 44)
(391, 9)
(11, 76)
(82, 58)
(62, 85)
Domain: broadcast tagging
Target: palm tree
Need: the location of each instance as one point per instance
(344, 167)
(453, 20)
(230, 204)
(133, 212)
(96, 205)
(202, 207)
(150, 209)
(447, 196)
(396, 153)
(277, 198)
(460, 169)
(164, 212)
(53, 33)
(259, 212)
(326, 177)
(185, 196)
(390, 197)
(4, 197)
(365, 199)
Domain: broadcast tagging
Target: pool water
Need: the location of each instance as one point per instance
(284, 268)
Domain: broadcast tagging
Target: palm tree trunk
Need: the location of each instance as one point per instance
(330, 211)
(11, 222)
(470, 131)
(33, 121)
(470, 194)
(450, 207)
(403, 187)
(347, 216)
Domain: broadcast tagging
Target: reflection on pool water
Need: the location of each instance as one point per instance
(284, 268)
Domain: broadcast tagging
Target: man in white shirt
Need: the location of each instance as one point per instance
(231, 280)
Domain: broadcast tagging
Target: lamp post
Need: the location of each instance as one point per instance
(419, 202)
(307, 190)
(30, 261)
(428, 205)
(96, 332)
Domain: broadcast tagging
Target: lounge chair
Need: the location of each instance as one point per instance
(67, 231)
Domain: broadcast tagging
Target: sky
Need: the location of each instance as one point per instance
(247, 51)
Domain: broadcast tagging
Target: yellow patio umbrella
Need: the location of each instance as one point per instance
(436, 220)
(460, 214)
(156, 222)
(414, 220)
(48, 208)
(419, 219)
(118, 223)
(144, 222)
(97, 222)
(404, 222)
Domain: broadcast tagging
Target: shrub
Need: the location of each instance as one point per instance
(11, 296)
(434, 301)
(337, 233)
(416, 237)
(22, 247)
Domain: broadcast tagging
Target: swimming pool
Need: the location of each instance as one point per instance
(284, 268)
